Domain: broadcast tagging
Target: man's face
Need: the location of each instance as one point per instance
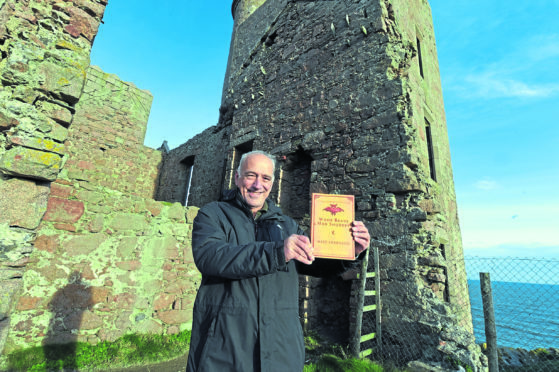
(255, 181)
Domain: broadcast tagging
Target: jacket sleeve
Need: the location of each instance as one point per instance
(216, 256)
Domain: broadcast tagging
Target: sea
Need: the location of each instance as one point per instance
(526, 314)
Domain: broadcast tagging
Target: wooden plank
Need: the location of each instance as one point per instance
(356, 327)
(489, 317)
(365, 353)
(369, 308)
(370, 293)
(371, 274)
(368, 337)
(378, 314)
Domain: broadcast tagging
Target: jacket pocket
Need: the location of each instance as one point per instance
(270, 231)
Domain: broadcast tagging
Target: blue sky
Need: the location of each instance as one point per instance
(499, 67)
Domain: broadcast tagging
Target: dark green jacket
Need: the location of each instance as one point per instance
(246, 311)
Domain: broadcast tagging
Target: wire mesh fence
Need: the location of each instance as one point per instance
(526, 306)
(525, 294)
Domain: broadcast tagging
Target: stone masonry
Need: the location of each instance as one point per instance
(347, 95)
(44, 55)
(108, 260)
(86, 253)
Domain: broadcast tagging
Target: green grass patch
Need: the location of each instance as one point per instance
(333, 363)
(128, 350)
(132, 350)
(321, 356)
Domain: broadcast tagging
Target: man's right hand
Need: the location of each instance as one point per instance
(298, 247)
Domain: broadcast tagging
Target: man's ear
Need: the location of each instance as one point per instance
(236, 177)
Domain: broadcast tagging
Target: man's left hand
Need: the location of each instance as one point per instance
(360, 236)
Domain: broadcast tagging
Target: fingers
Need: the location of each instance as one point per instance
(360, 236)
(298, 247)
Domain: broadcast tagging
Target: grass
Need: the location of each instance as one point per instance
(128, 350)
(333, 363)
(324, 357)
(134, 349)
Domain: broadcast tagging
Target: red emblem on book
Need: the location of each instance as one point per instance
(333, 208)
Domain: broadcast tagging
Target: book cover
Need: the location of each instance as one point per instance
(331, 217)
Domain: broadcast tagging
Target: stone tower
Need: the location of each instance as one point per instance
(347, 95)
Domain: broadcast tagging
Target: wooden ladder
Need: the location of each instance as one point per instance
(366, 322)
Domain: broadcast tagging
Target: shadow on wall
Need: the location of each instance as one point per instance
(67, 306)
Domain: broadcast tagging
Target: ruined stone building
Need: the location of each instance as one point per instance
(94, 235)
(86, 253)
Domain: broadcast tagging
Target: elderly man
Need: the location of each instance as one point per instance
(249, 253)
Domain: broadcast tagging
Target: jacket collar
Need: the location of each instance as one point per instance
(234, 197)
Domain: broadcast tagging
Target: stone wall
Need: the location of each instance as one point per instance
(203, 156)
(44, 48)
(336, 90)
(127, 268)
(105, 145)
(338, 93)
(44, 55)
(107, 259)
(86, 254)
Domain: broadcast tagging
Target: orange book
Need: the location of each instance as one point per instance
(331, 219)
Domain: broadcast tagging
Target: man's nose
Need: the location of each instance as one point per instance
(257, 182)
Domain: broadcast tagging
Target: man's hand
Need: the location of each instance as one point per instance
(360, 236)
(298, 247)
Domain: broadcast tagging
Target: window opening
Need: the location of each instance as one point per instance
(295, 181)
(240, 150)
(430, 150)
(446, 293)
(189, 164)
(419, 57)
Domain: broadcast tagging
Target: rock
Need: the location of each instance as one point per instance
(65, 82)
(29, 163)
(22, 202)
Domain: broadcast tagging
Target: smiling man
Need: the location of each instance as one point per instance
(250, 254)
(255, 178)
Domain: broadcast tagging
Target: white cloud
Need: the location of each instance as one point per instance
(492, 228)
(486, 185)
(526, 70)
(488, 85)
(542, 47)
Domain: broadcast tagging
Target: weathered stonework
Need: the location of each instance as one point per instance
(105, 143)
(336, 90)
(106, 259)
(86, 254)
(348, 97)
(133, 273)
(23, 202)
(201, 157)
(44, 54)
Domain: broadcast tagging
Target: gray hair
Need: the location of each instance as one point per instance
(257, 152)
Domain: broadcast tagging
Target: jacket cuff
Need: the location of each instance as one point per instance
(280, 257)
(361, 255)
